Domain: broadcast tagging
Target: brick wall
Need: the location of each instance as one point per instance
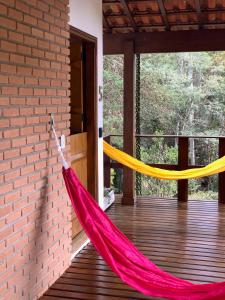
(35, 227)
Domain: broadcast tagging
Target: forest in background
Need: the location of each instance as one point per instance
(180, 94)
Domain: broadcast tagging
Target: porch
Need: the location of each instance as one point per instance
(184, 238)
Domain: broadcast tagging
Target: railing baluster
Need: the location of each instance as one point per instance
(221, 179)
(182, 185)
(107, 166)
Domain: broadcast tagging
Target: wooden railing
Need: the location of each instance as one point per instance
(183, 162)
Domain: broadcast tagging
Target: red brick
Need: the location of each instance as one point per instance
(51, 74)
(48, 18)
(16, 80)
(19, 142)
(13, 217)
(10, 112)
(44, 82)
(38, 73)
(7, 23)
(17, 58)
(28, 209)
(18, 121)
(22, 6)
(5, 165)
(39, 92)
(50, 55)
(40, 110)
(32, 101)
(23, 28)
(34, 177)
(38, 53)
(11, 133)
(15, 36)
(32, 120)
(43, 44)
(43, 6)
(25, 91)
(27, 170)
(9, 90)
(5, 144)
(11, 69)
(4, 100)
(33, 139)
(32, 61)
(6, 188)
(4, 123)
(18, 162)
(26, 130)
(45, 64)
(12, 175)
(20, 182)
(11, 153)
(36, 13)
(31, 41)
(5, 210)
(3, 33)
(37, 32)
(49, 36)
(31, 81)
(32, 158)
(17, 100)
(4, 79)
(40, 147)
(30, 20)
(15, 14)
(26, 71)
(26, 111)
(12, 196)
(43, 25)
(3, 9)
(27, 149)
(40, 128)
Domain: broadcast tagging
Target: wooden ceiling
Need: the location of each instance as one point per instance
(128, 16)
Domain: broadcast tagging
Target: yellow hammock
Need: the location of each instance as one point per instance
(215, 167)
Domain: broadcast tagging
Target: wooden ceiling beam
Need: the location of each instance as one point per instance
(157, 14)
(128, 13)
(108, 27)
(167, 41)
(199, 13)
(163, 12)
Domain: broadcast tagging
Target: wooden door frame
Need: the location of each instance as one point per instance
(92, 108)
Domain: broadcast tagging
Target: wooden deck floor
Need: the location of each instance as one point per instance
(187, 240)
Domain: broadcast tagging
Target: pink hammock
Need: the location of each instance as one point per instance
(124, 258)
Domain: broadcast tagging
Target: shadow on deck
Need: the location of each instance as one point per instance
(185, 239)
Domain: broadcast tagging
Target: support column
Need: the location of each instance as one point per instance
(182, 165)
(129, 121)
(107, 169)
(221, 179)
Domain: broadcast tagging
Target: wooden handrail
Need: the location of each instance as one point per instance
(182, 162)
(171, 136)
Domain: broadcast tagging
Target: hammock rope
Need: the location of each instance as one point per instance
(213, 168)
(120, 253)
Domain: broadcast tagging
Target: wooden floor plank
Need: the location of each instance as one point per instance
(185, 239)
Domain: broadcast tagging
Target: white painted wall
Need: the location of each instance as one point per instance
(86, 15)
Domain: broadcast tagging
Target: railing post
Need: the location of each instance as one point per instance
(107, 166)
(182, 164)
(221, 179)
